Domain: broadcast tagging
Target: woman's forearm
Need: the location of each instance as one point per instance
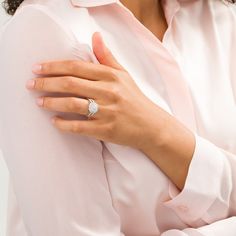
(171, 149)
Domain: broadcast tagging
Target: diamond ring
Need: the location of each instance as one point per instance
(92, 107)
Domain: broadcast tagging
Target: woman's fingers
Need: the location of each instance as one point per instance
(66, 84)
(103, 54)
(85, 70)
(84, 127)
(64, 104)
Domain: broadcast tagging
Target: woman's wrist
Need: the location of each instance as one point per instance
(171, 147)
(156, 130)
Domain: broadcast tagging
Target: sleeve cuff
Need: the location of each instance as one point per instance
(187, 232)
(202, 186)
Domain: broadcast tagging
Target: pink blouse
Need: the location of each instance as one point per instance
(70, 185)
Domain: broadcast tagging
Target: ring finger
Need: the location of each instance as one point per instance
(65, 104)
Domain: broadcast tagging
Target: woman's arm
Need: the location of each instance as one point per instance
(209, 193)
(59, 179)
(206, 173)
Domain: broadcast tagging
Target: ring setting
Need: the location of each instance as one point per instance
(92, 107)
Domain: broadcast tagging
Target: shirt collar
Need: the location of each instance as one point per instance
(95, 3)
(171, 7)
(92, 3)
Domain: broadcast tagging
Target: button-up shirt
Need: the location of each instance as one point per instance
(70, 185)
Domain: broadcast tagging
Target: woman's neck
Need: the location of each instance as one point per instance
(142, 9)
(149, 13)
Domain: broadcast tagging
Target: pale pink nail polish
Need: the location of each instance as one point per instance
(30, 84)
(39, 101)
(37, 68)
(53, 119)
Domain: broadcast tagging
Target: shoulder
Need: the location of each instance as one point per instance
(48, 15)
(38, 33)
(30, 18)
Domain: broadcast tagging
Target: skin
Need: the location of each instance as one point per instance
(166, 141)
(150, 13)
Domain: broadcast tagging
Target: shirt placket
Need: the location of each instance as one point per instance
(179, 95)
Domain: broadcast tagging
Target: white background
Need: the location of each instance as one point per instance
(3, 169)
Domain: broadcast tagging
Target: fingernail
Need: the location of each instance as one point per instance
(102, 42)
(53, 119)
(37, 68)
(30, 84)
(39, 101)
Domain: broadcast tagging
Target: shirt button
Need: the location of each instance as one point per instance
(183, 208)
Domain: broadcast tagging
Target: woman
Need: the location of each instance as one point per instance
(154, 152)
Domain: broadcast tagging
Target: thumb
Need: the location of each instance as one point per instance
(103, 54)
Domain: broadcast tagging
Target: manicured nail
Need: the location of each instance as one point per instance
(53, 119)
(37, 68)
(30, 84)
(39, 101)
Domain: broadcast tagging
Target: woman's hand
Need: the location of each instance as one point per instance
(125, 116)
(125, 113)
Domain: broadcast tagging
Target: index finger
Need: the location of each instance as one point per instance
(76, 68)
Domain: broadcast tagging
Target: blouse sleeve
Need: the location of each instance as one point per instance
(209, 194)
(59, 178)
(223, 227)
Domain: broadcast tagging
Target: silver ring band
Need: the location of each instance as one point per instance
(92, 107)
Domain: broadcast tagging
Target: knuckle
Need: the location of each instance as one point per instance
(40, 83)
(110, 130)
(114, 92)
(75, 128)
(47, 67)
(72, 105)
(73, 65)
(114, 74)
(113, 89)
(69, 82)
(113, 112)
